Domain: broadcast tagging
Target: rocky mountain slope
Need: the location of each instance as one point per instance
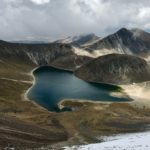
(115, 68)
(124, 41)
(42, 54)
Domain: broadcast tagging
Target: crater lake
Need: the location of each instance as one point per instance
(53, 85)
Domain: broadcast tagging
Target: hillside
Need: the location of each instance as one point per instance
(116, 69)
(41, 54)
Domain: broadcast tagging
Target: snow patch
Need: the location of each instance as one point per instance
(94, 53)
(82, 52)
(135, 141)
(97, 53)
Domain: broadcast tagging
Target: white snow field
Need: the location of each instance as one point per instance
(135, 141)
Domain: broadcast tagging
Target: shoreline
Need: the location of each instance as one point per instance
(24, 94)
(133, 101)
(33, 82)
(61, 106)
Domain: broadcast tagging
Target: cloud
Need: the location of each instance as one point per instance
(40, 2)
(53, 19)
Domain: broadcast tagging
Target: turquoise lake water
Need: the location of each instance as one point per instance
(52, 85)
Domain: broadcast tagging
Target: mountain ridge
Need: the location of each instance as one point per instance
(70, 56)
(124, 41)
(41, 54)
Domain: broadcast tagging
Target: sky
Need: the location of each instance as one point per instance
(56, 19)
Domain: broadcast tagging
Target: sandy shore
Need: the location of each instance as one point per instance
(25, 94)
(32, 82)
(139, 92)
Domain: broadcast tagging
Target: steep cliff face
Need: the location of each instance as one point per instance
(116, 69)
(40, 54)
(124, 41)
